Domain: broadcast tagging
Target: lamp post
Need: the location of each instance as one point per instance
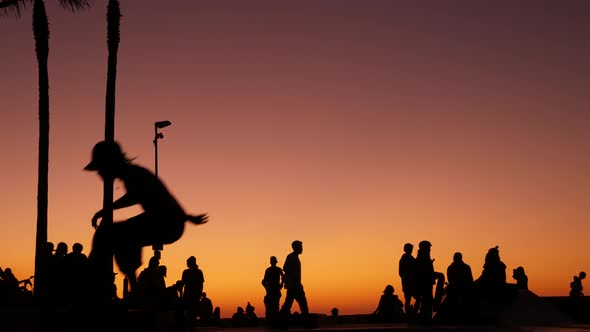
(158, 125)
(157, 136)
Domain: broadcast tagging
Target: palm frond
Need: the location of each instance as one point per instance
(75, 5)
(12, 7)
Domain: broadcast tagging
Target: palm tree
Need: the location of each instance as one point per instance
(41, 35)
(105, 269)
(113, 37)
(11, 7)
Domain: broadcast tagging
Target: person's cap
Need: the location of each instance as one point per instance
(103, 152)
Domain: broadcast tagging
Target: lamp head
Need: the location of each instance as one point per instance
(162, 124)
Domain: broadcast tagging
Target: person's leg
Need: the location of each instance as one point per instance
(286, 308)
(407, 302)
(274, 305)
(99, 259)
(101, 245)
(426, 306)
(267, 305)
(302, 301)
(128, 238)
(164, 227)
(417, 304)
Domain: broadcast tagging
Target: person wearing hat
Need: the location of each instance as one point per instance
(161, 222)
(425, 278)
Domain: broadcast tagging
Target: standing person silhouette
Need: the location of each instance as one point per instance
(424, 278)
(407, 270)
(273, 281)
(292, 270)
(205, 310)
(161, 222)
(192, 280)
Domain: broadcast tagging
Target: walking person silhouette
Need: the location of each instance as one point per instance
(292, 270)
(161, 222)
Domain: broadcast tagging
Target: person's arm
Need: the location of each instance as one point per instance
(282, 278)
(123, 202)
(264, 279)
(202, 276)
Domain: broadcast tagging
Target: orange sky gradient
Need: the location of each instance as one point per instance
(353, 127)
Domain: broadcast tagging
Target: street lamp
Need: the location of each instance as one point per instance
(158, 125)
(157, 136)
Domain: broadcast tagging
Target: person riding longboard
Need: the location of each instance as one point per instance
(161, 222)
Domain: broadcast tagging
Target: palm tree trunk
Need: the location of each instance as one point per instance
(113, 24)
(41, 32)
(113, 37)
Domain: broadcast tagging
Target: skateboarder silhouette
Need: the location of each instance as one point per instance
(161, 222)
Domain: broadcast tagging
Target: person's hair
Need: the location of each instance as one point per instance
(388, 289)
(77, 247)
(296, 244)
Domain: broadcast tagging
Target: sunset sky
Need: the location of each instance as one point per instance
(353, 126)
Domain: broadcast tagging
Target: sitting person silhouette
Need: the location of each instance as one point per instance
(576, 285)
(522, 281)
(390, 307)
(238, 319)
(161, 222)
(251, 318)
(205, 310)
(493, 276)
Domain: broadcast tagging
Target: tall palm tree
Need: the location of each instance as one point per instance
(105, 269)
(41, 35)
(113, 38)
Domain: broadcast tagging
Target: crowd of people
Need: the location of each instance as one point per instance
(423, 288)
(185, 297)
(66, 280)
(12, 290)
(66, 274)
(244, 318)
(465, 299)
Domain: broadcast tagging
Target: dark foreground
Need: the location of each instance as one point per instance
(529, 313)
(20, 322)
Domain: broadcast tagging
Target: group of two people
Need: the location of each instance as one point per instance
(288, 277)
(418, 277)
